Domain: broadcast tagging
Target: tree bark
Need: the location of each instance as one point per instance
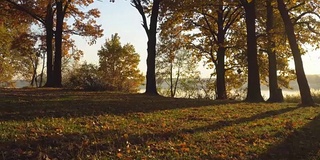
(151, 87)
(34, 72)
(171, 79)
(58, 46)
(274, 91)
(42, 70)
(254, 90)
(306, 98)
(49, 38)
(221, 82)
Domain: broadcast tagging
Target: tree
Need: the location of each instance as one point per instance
(175, 68)
(274, 91)
(84, 26)
(274, 65)
(254, 90)
(57, 12)
(209, 25)
(306, 98)
(119, 66)
(218, 24)
(151, 31)
(24, 46)
(46, 19)
(175, 63)
(16, 44)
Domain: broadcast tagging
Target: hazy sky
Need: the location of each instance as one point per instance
(120, 17)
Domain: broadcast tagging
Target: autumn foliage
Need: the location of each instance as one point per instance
(117, 70)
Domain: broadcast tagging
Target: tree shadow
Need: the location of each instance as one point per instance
(61, 146)
(302, 144)
(28, 104)
(71, 145)
(225, 123)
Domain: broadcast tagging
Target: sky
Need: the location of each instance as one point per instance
(120, 17)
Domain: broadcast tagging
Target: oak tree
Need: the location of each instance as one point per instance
(306, 98)
(143, 6)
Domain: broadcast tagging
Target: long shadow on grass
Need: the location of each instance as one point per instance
(22, 105)
(213, 127)
(108, 142)
(302, 144)
(63, 146)
(225, 123)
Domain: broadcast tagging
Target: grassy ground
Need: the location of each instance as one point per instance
(60, 124)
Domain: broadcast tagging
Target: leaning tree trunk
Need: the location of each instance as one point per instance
(274, 91)
(306, 98)
(151, 87)
(254, 90)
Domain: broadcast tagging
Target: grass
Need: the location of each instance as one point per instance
(295, 98)
(62, 124)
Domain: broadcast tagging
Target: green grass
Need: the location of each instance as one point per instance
(66, 124)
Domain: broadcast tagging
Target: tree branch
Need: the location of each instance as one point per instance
(23, 9)
(137, 4)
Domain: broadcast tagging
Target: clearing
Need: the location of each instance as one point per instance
(65, 124)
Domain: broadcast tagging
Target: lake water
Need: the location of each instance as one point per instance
(313, 80)
(264, 93)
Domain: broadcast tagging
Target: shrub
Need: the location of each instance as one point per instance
(86, 77)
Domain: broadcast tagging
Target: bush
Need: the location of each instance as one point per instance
(86, 77)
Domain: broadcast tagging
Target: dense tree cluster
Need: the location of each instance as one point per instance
(274, 31)
(53, 17)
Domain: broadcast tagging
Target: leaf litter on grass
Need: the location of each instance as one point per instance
(104, 125)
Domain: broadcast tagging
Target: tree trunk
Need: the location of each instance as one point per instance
(306, 98)
(49, 38)
(151, 87)
(58, 46)
(171, 79)
(254, 90)
(221, 82)
(42, 70)
(34, 73)
(274, 91)
(176, 83)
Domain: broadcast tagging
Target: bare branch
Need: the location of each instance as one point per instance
(305, 13)
(137, 4)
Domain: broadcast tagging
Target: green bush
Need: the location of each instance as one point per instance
(86, 77)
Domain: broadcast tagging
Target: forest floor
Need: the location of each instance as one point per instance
(62, 124)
